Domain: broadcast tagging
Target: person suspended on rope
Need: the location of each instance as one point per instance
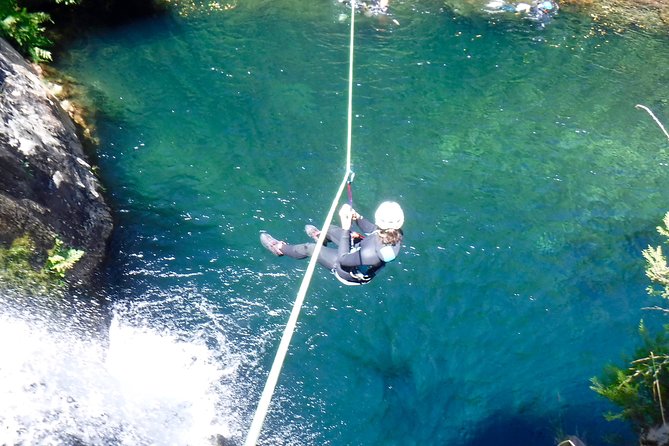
(370, 8)
(358, 257)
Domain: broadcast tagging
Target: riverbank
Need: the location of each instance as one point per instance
(607, 16)
(651, 15)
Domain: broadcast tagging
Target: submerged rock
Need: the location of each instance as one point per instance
(47, 188)
(655, 436)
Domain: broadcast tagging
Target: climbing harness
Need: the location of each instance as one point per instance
(273, 377)
(353, 237)
(361, 277)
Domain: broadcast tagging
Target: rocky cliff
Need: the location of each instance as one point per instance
(47, 189)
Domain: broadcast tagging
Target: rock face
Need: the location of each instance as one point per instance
(47, 189)
(655, 436)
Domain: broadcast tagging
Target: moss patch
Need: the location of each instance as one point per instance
(20, 269)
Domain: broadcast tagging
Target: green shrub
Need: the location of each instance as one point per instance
(27, 29)
(641, 390)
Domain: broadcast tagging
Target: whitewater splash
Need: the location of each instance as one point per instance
(140, 385)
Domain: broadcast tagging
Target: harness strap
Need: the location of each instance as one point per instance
(362, 278)
(344, 281)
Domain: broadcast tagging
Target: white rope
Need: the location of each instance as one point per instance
(349, 127)
(655, 118)
(273, 377)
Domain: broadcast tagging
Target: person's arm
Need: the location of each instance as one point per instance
(365, 225)
(346, 257)
(366, 254)
(346, 215)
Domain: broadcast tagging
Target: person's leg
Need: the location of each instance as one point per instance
(301, 251)
(326, 258)
(334, 233)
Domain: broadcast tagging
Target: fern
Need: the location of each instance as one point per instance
(27, 29)
(657, 269)
(40, 54)
(62, 259)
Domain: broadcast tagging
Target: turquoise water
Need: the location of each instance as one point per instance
(529, 180)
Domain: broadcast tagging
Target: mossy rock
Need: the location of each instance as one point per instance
(20, 268)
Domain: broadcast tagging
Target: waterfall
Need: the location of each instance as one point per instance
(142, 383)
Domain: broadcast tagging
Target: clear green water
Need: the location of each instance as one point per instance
(529, 181)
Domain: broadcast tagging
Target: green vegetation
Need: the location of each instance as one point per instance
(657, 269)
(61, 259)
(641, 390)
(26, 29)
(24, 22)
(18, 270)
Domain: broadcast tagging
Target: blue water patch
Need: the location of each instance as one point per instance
(529, 181)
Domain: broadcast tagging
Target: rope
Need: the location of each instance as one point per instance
(655, 118)
(273, 377)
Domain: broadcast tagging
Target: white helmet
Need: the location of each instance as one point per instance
(389, 215)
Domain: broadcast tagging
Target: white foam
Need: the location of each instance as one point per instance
(143, 386)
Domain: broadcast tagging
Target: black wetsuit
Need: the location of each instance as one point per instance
(354, 266)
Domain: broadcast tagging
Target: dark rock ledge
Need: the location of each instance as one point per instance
(47, 188)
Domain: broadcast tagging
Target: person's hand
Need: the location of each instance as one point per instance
(346, 214)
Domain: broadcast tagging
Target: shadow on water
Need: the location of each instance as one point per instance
(69, 22)
(521, 429)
